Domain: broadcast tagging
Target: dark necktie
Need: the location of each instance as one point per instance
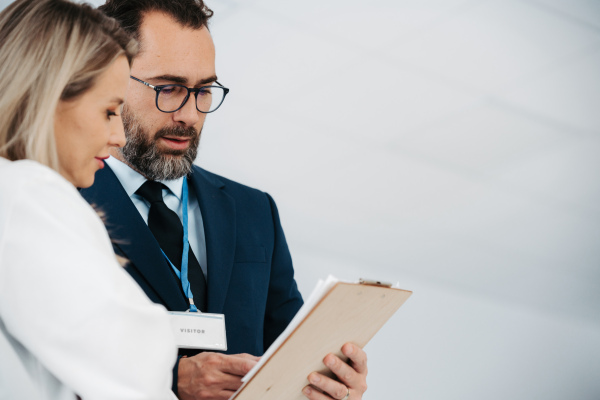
(168, 231)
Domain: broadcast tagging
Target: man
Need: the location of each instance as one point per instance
(239, 263)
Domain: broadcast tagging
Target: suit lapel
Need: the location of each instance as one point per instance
(218, 214)
(132, 237)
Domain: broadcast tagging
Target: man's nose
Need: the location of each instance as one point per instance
(188, 114)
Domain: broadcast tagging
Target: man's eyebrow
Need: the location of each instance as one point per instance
(206, 80)
(171, 78)
(183, 81)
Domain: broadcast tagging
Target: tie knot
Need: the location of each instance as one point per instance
(151, 191)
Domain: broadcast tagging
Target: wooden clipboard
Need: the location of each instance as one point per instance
(349, 312)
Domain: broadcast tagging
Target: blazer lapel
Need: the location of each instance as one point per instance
(218, 214)
(132, 237)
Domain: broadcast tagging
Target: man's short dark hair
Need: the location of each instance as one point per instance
(189, 13)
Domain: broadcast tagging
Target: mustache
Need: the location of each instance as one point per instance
(177, 131)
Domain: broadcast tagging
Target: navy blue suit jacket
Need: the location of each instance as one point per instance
(250, 276)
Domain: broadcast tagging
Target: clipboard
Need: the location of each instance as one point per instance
(348, 312)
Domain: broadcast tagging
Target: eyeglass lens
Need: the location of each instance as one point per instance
(171, 97)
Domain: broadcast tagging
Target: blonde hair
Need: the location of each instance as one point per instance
(50, 51)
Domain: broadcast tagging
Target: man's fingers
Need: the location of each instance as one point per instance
(226, 394)
(345, 373)
(211, 375)
(248, 356)
(352, 377)
(237, 365)
(334, 389)
(225, 381)
(201, 377)
(357, 356)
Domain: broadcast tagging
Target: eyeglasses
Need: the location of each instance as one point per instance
(170, 98)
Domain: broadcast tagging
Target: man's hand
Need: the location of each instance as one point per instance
(212, 376)
(352, 377)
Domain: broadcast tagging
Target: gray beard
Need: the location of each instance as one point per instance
(141, 152)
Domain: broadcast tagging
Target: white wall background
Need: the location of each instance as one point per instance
(451, 145)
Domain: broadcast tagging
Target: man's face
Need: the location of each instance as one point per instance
(164, 145)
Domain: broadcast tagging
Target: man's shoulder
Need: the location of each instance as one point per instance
(230, 186)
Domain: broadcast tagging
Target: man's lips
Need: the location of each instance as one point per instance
(176, 142)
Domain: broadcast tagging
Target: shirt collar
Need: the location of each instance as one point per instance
(131, 180)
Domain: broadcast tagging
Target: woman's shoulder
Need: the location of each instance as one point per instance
(32, 192)
(30, 176)
(26, 169)
(30, 187)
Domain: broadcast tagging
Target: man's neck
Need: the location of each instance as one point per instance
(116, 153)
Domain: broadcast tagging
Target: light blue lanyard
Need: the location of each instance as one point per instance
(183, 275)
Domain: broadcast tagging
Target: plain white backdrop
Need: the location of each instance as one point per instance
(450, 145)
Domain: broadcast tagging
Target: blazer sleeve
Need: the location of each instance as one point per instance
(64, 296)
(283, 299)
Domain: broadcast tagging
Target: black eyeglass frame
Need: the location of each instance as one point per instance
(158, 88)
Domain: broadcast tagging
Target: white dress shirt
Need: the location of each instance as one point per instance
(72, 321)
(131, 181)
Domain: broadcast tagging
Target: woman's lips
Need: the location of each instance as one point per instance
(101, 161)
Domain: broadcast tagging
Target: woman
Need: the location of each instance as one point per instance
(72, 322)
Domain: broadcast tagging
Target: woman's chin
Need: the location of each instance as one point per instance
(85, 182)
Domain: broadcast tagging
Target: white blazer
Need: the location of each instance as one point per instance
(72, 321)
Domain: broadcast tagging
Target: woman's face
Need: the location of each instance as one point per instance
(87, 127)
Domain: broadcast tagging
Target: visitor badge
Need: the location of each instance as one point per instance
(195, 330)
